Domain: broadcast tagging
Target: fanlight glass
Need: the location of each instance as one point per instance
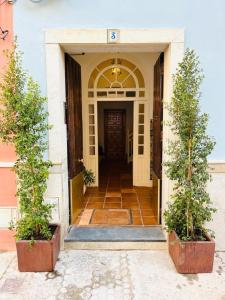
(116, 73)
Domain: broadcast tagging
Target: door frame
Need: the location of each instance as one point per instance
(59, 41)
(93, 160)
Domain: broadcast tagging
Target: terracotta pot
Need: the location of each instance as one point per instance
(42, 256)
(191, 257)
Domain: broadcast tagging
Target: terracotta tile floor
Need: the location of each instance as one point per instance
(116, 201)
(111, 217)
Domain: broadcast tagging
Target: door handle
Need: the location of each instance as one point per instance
(81, 160)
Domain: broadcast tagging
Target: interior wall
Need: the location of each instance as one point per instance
(127, 106)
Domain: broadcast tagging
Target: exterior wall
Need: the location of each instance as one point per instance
(8, 201)
(30, 22)
(207, 37)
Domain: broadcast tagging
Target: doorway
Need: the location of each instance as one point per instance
(117, 119)
(115, 140)
(59, 41)
(116, 201)
(114, 134)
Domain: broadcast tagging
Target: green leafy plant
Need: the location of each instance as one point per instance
(187, 165)
(89, 177)
(24, 124)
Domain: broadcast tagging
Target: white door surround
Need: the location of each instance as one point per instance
(119, 80)
(59, 41)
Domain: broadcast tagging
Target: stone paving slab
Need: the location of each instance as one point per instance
(5, 259)
(111, 275)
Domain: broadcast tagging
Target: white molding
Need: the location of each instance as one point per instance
(6, 164)
(129, 36)
(216, 161)
(7, 207)
(55, 70)
(216, 166)
(7, 214)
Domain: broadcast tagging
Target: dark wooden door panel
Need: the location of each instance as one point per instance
(114, 128)
(158, 116)
(74, 116)
(74, 135)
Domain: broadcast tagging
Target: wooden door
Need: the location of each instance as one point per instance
(114, 134)
(157, 135)
(158, 116)
(74, 134)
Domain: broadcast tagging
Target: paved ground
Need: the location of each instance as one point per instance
(109, 275)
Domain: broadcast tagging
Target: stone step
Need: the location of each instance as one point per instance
(115, 238)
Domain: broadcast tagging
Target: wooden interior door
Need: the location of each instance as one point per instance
(74, 134)
(114, 134)
(158, 116)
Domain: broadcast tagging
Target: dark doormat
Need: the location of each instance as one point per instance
(115, 234)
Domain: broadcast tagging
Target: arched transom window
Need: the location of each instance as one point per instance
(116, 78)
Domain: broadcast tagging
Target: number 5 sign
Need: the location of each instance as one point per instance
(113, 35)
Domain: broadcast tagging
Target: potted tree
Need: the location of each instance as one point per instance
(24, 124)
(89, 178)
(190, 243)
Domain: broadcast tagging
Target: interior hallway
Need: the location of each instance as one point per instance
(116, 201)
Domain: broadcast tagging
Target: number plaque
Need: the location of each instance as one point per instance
(113, 36)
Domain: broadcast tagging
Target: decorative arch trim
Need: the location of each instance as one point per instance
(116, 77)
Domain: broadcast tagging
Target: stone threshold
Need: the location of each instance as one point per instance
(116, 246)
(115, 237)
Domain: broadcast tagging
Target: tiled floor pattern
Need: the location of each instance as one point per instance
(116, 201)
(111, 275)
(111, 217)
